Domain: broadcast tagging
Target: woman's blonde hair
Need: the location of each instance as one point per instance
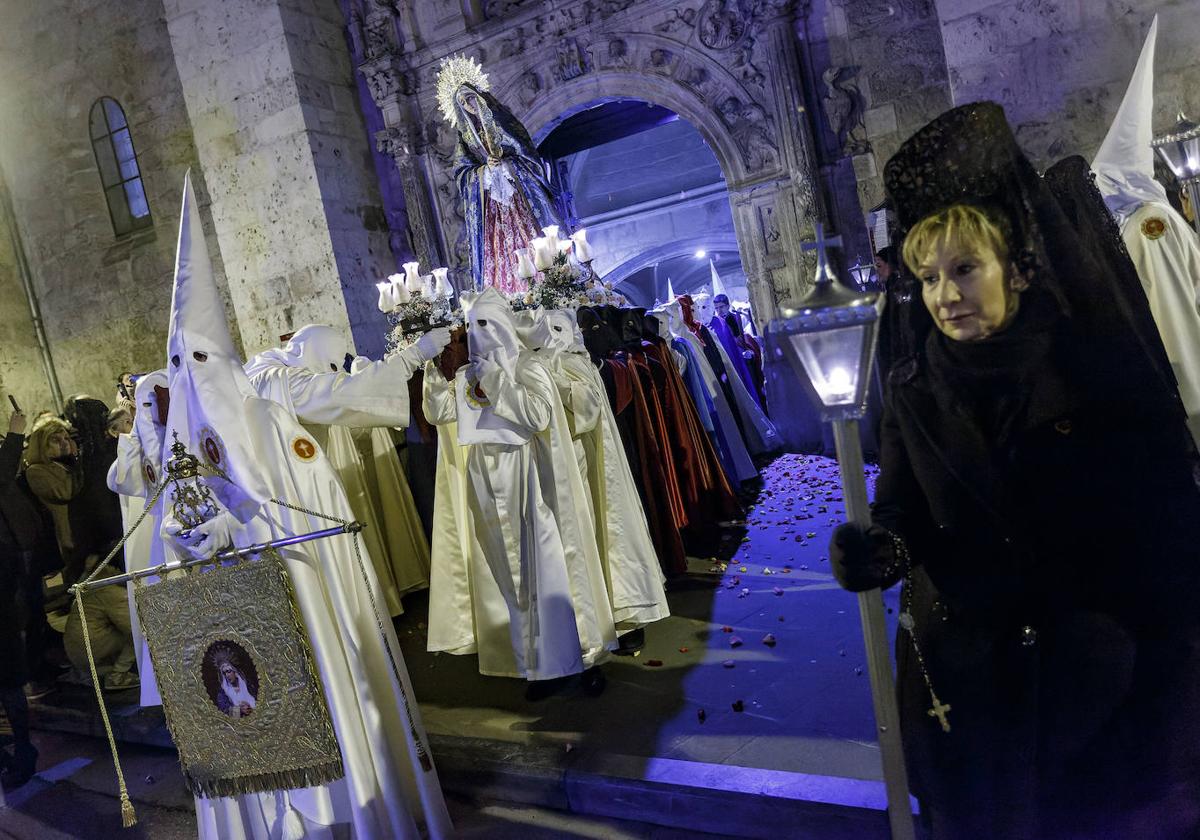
(37, 442)
(964, 223)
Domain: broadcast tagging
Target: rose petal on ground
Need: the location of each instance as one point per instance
(735, 641)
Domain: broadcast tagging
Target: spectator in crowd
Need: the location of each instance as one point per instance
(18, 537)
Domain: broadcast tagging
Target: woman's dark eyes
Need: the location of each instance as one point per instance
(965, 268)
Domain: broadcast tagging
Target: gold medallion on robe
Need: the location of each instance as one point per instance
(1154, 228)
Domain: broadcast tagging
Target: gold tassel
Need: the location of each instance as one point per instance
(128, 815)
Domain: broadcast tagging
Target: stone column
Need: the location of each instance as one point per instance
(269, 92)
(800, 202)
(422, 220)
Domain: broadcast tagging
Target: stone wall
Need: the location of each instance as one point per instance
(1060, 67)
(880, 75)
(20, 363)
(105, 299)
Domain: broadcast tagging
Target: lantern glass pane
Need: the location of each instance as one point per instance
(833, 361)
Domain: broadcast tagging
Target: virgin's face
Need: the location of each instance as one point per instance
(969, 292)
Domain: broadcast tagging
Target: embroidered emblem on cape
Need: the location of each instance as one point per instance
(304, 449)
(475, 395)
(151, 473)
(213, 447)
(1154, 227)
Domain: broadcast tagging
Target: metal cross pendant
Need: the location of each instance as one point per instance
(939, 711)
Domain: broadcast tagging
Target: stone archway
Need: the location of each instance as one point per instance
(734, 75)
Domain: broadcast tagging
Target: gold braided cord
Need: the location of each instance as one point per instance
(128, 815)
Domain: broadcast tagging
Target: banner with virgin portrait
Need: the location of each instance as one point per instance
(238, 681)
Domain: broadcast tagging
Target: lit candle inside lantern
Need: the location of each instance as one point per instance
(441, 284)
(412, 278)
(386, 304)
(543, 257)
(525, 267)
(583, 251)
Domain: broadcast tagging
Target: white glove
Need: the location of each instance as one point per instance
(486, 372)
(205, 540)
(431, 345)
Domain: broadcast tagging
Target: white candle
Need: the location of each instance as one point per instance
(551, 234)
(525, 267)
(441, 284)
(543, 257)
(583, 251)
(564, 245)
(399, 290)
(427, 285)
(412, 279)
(386, 303)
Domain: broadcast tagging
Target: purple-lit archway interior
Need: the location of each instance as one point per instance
(652, 195)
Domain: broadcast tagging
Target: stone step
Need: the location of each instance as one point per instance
(690, 795)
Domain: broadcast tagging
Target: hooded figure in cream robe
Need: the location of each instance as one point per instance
(530, 565)
(1162, 245)
(390, 788)
(134, 476)
(349, 415)
(634, 575)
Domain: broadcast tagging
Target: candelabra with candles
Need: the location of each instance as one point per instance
(416, 303)
(559, 273)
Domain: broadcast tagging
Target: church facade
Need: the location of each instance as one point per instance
(322, 162)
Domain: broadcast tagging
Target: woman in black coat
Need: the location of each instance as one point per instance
(1036, 496)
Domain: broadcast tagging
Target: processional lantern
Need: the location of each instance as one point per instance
(829, 339)
(1179, 147)
(861, 272)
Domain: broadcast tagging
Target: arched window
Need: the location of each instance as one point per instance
(117, 162)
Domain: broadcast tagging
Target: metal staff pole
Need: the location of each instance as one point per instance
(228, 554)
(875, 637)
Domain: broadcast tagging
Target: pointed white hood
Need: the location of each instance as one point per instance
(718, 286)
(1124, 165)
(204, 372)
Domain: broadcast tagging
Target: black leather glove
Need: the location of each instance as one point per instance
(863, 558)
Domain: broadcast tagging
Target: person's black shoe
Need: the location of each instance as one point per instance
(19, 768)
(631, 642)
(594, 681)
(541, 689)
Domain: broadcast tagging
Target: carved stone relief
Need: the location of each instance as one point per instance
(750, 128)
(844, 106)
(721, 24)
(571, 60)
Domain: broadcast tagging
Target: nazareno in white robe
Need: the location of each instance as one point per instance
(632, 571)
(336, 407)
(539, 603)
(134, 475)
(1165, 252)
(390, 788)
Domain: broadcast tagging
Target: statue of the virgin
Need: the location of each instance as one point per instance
(506, 197)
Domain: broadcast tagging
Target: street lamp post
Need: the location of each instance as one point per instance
(1179, 147)
(829, 337)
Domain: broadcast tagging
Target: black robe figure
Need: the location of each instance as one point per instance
(1036, 496)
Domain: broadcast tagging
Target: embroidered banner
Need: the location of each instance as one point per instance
(237, 679)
